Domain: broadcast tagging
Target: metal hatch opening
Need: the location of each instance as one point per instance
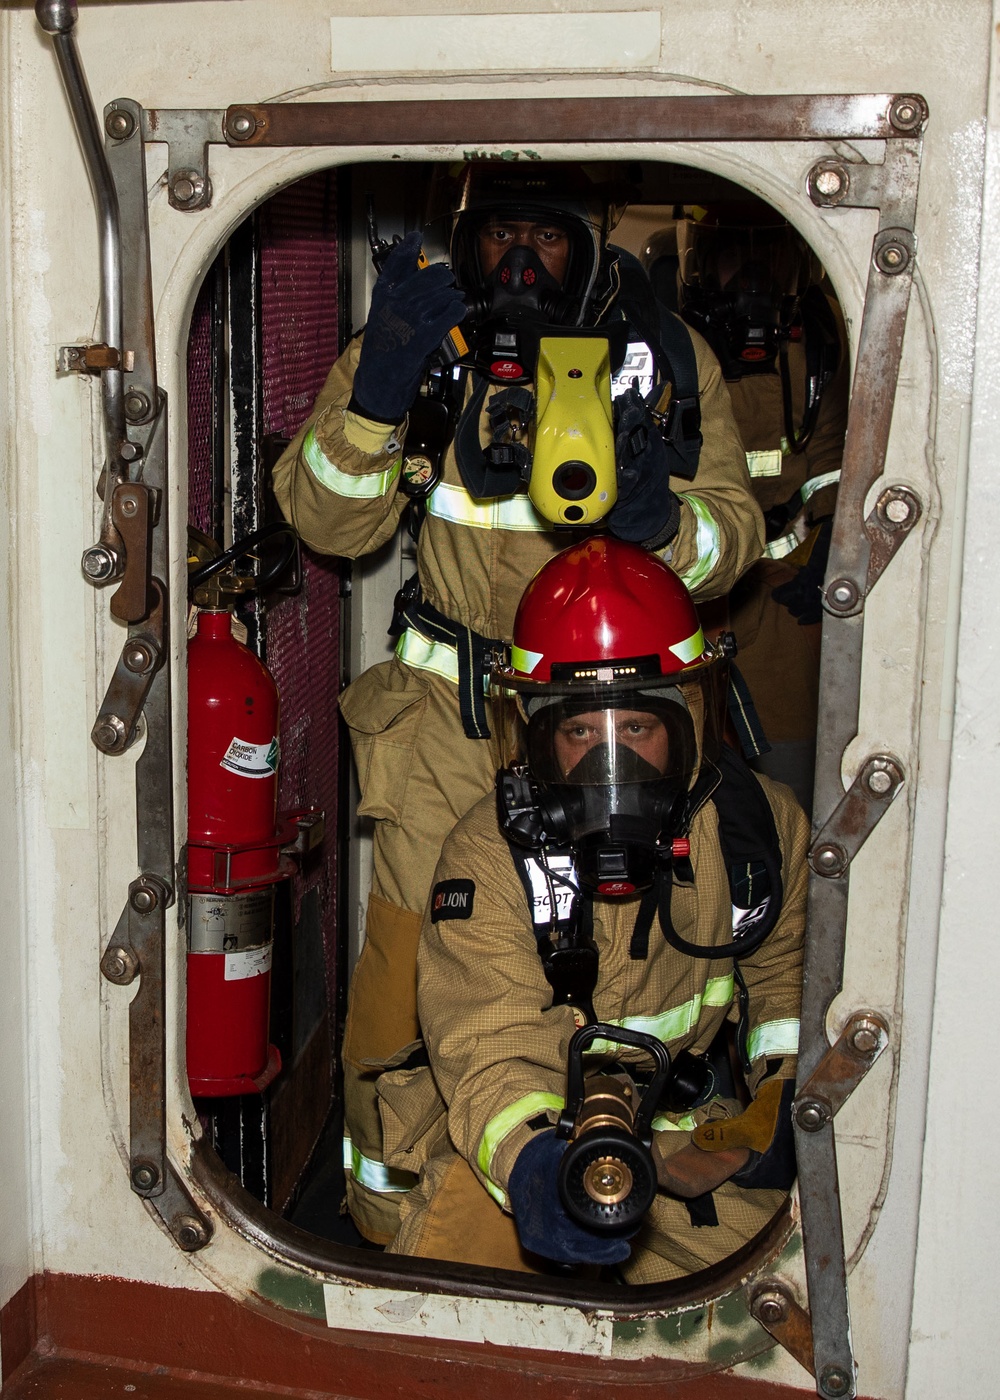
(189, 1191)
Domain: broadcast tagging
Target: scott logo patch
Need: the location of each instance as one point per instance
(452, 899)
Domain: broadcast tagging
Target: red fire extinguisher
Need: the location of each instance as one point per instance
(237, 850)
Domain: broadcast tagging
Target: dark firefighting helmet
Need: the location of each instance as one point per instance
(743, 271)
(562, 194)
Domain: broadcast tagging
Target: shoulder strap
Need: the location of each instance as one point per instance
(673, 353)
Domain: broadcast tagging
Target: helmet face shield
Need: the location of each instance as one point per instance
(640, 738)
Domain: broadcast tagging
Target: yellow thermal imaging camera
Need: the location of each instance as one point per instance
(573, 480)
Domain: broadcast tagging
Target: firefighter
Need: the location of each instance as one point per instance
(749, 284)
(619, 767)
(525, 251)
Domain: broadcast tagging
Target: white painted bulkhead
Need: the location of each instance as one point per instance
(931, 668)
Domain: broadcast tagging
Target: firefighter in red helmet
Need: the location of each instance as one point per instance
(633, 875)
(530, 249)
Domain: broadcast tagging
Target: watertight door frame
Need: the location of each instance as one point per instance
(132, 553)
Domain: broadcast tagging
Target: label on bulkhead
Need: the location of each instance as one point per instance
(250, 962)
(251, 760)
(230, 923)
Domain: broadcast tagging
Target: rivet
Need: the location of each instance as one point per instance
(906, 113)
(241, 125)
(842, 594)
(129, 505)
(898, 510)
(812, 1114)
(891, 258)
(829, 182)
(137, 657)
(829, 859)
(119, 124)
(129, 451)
(187, 187)
(136, 406)
(144, 900)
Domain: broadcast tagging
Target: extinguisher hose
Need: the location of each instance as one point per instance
(246, 546)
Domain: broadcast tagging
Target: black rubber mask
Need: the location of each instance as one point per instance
(521, 286)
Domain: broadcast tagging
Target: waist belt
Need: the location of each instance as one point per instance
(427, 642)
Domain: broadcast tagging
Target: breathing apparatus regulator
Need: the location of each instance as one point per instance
(610, 705)
(748, 283)
(610, 710)
(527, 326)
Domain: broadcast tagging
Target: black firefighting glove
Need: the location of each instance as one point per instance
(803, 595)
(412, 311)
(543, 1225)
(646, 512)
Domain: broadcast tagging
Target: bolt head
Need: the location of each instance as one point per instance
(892, 258)
(98, 563)
(906, 113)
(770, 1308)
(144, 1176)
(879, 781)
(119, 124)
(189, 1232)
(110, 734)
(865, 1040)
(129, 451)
(187, 188)
(116, 966)
(829, 182)
(835, 1382)
(898, 510)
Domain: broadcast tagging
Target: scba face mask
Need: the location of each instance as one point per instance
(522, 287)
(611, 783)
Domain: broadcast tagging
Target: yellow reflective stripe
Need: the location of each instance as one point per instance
(774, 1038)
(690, 649)
(426, 655)
(662, 1124)
(454, 503)
(374, 1174)
(504, 1123)
(818, 482)
(707, 543)
(678, 1020)
(765, 463)
(779, 548)
(368, 487)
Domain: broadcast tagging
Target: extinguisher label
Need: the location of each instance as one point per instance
(251, 760)
(230, 923)
(251, 962)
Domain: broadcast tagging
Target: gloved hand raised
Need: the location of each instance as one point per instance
(539, 1214)
(646, 512)
(412, 311)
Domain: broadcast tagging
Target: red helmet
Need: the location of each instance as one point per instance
(605, 610)
(610, 704)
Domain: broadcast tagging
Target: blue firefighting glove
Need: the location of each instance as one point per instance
(542, 1223)
(803, 595)
(646, 512)
(412, 311)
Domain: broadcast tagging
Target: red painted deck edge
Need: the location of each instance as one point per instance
(206, 1338)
